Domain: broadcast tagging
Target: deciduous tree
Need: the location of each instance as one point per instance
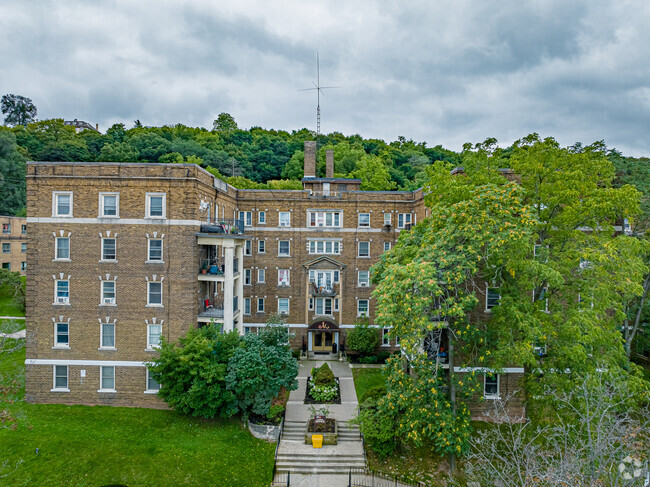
(19, 109)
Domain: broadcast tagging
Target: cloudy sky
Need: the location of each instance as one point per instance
(444, 71)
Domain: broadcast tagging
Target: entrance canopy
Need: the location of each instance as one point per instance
(323, 323)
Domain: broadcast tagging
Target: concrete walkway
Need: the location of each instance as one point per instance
(18, 334)
(12, 317)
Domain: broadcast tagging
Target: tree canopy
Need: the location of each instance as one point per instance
(19, 110)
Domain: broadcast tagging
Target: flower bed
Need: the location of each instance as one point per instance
(322, 394)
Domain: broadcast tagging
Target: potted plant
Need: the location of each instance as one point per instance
(204, 267)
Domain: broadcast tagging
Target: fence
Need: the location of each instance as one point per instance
(360, 477)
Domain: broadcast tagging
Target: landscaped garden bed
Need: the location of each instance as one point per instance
(322, 387)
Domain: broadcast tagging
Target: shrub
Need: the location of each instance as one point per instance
(373, 393)
(275, 413)
(324, 376)
(296, 354)
(379, 424)
(363, 338)
(382, 356)
(324, 393)
(368, 359)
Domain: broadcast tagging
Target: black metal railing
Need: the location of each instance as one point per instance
(363, 477)
(225, 226)
(280, 478)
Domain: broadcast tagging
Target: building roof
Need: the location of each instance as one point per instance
(80, 125)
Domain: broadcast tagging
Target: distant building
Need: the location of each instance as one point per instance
(13, 243)
(80, 125)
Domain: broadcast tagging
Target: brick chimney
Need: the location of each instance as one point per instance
(310, 159)
(329, 163)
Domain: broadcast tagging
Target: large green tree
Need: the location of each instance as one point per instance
(12, 175)
(19, 110)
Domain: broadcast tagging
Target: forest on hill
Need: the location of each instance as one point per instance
(246, 158)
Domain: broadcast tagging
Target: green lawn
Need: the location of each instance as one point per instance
(7, 307)
(94, 446)
(365, 379)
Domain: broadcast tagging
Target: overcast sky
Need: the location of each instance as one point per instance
(444, 71)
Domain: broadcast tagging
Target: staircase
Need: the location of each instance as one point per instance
(297, 457)
(329, 357)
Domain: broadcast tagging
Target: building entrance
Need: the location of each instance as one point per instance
(323, 337)
(322, 341)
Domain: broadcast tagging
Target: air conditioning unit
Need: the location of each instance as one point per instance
(61, 300)
(284, 312)
(363, 284)
(109, 300)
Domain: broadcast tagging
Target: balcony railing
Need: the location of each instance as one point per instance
(211, 266)
(211, 308)
(223, 226)
(326, 290)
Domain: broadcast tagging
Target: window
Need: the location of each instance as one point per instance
(261, 275)
(261, 218)
(61, 377)
(23, 266)
(261, 246)
(247, 306)
(283, 306)
(23, 247)
(6, 265)
(284, 248)
(364, 249)
(492, 297)
(324, 247)
(156, 205)
(108, 249)
(404, 220)
(311, 304)
(108, 292)
(155, 250)
(248, 248)
(152, 384)
(247, 277)
(284, 219)
(491, 386)
(154, 294)
(364, 278)
(326, 306)
(108, 335)
(283, 277)
(153, 336)
(364, 219)
(62, 292)
(62, 248)
(324, 219)
(387, 218)
(260, 305)
(23, 229)
(109, 205)
(6, 228)
(362, 307)
(106, 379)
(385, 337)
(6, 247)
(246, 217)
(386, 246)
(61, 335)
(324, 278)
(541, 296)
(62, 203)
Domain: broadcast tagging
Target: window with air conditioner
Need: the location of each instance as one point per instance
(364, 220)
(364, 278)
(108, 293)
(363, 307)
(364, 249)
(283, 306)
(62, 292)
(284, 219)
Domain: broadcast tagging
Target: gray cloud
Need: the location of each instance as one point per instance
(442, 72)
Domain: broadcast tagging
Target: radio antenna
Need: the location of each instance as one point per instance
(319, 90)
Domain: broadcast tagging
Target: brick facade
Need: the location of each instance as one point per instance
(13, 240)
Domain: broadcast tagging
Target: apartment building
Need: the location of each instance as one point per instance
(121, 254)
(13, 243)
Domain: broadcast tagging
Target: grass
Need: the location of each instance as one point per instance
(99, 445)
(365, 379)
(7, 306)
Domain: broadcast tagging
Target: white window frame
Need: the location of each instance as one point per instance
(284, 219)
(6, 247)
(491, 395)
(402, 219)
(103, 257)
(363, 282)
(487, 294)
(23, 247)
(102, 205)
(55, 204)
(108, 301)
(363, 224)
(288, 254)
(280, 307)
(248, 248)
(285, 282)
(387, 221)
(247, 217)
(385, 337)
(260, 309)
(247, 306)
(261, 217)
(6, 228)
(320, 247)
(61, 299)
(102, 370)
(56, 249)
(321, 305)
(103, 345)
(359, 250)
(149, 303)
(149, 259)
(320, 219)
(261, 276)
(148, 206)
(23, 266)
(387, 246)
(261, 246)
(56, 388)
(23, 229)
(58, 344)
(150, 344)
(248, 277)
(147, 389)
(361, 313)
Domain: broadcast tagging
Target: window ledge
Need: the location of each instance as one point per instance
(154, 261)
(107, 348)
(150, 392)
(104, 304)
(108, 261)
(60, 304)
(108, 217)
(154, 306)
(154, 217)
(385, 345)
(107, 391)
(492, 397)
(363, 256)
(59, 390)
(61, 260)
(61, 347)
(155, 349)
(284, 256)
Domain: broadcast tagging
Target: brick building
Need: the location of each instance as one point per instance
(13, 243)
(121, 254)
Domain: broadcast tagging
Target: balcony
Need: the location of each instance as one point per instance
(223, 226)
(323, 291)
(211, 309)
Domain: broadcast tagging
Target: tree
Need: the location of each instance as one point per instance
(12, 175)
(224, 123)
(12, 283)
(193, 373)
(373, 174)
(19, 110)
(363, 338)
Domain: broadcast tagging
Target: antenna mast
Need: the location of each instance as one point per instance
(319, 89)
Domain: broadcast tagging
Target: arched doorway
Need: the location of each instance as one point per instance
(323, 336)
